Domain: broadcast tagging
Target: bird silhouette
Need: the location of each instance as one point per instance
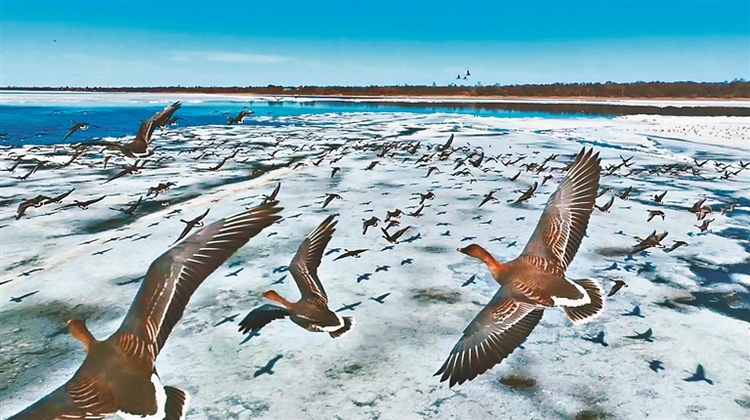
(349, 307)
(20, 299)
(646, 336)
(268, 368)
(226, 319)
(655, 365)
(381, 299)
(636, 311)
(699, 375)
(598, 339)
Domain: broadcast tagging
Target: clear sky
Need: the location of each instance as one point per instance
(301, 42)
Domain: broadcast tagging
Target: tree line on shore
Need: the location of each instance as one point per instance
(724, 90)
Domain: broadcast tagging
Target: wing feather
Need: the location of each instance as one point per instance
(565, 218)
(495, 333)
(173, 277)
(304, 265)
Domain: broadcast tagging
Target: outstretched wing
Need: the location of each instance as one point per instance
(495, 332)
(304, 265)
(562, 225)
(261, 316)
(173, 277)
(161, 117)
(79, 398)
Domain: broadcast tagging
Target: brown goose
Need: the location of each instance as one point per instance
(533, 281)
(119, 373)
(139, 147)
(311, 311)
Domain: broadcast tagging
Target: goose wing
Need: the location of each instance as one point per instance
(161, 117)
(304, 265)
(565, 218)
(82, 397)
(173, 277)
(495, 332)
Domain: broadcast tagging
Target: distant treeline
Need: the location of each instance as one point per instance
(720, 90)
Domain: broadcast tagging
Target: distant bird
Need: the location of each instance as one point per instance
(130, 169)
(605, 208)
(371, 222)
(646, 336)
(447, 144)
(59, 198)
(20, 299)
(515, 177)
(427, 196)
(37, 201)
(704, 227)
(130, 211)
(102, 252)
(699, 375)
(83, 205)
(363, 277)
(431, 170)
(235, 272)
(311, 312)
(334, 169)
(488, 197)
(162, 187)
(625, 194)
(382, 268)
(619, 284)
(654, 213)
(190, 224)
(603, 191)
(78, 126)
(381, 299)
(240, 118)
(272, 198)
(349, 307)
(371, 165)
(418, 212)
(30, 272)
(394, 237)
(226, 319)
(655, 365)
(119, 374)
(330, 197)
(527, 194)
(31, 172)
(676, 245)
(598, 339)
(659, 197)
(139, 147)
(347, 253)
(652, 240)
(268, 368)
(407, 261)
(472, 280)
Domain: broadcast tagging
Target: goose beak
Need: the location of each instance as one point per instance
(461, 250)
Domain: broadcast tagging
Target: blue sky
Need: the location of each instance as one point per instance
(228, 43)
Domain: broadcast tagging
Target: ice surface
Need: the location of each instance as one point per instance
(695, 298)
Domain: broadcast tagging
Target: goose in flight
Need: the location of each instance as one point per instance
(535, 280)
(311, 312)
(119, 373)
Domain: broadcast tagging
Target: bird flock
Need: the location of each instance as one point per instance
(119, 373)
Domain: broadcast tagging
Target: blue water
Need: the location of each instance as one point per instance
(36, 123)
